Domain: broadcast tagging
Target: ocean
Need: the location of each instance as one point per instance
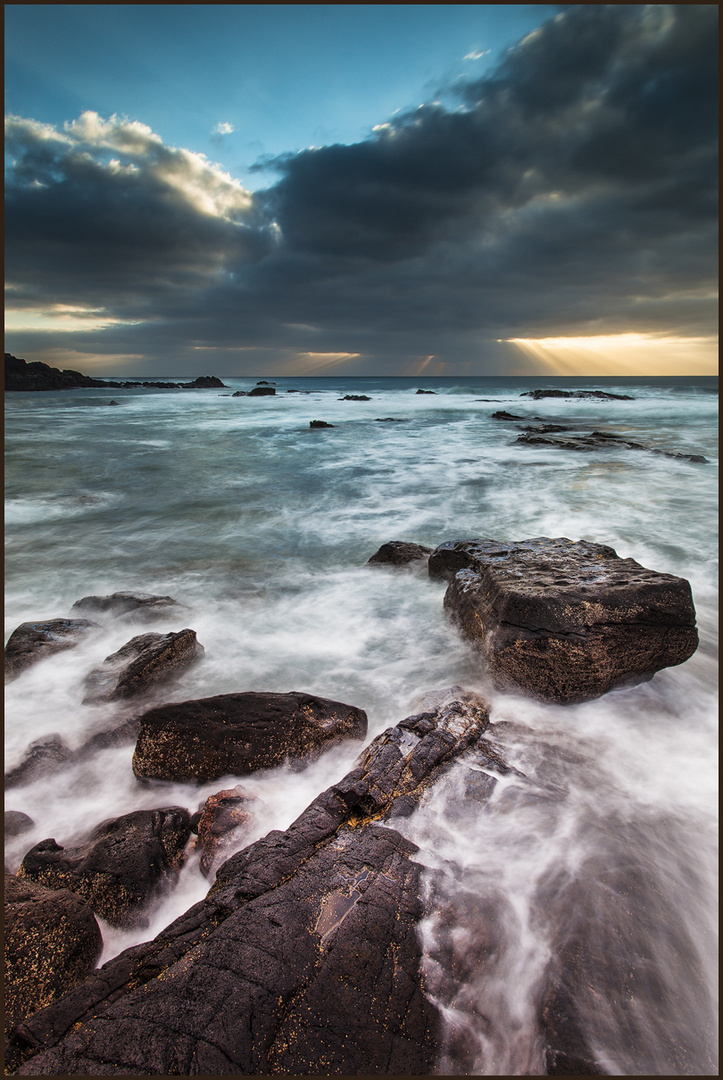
(262, 526)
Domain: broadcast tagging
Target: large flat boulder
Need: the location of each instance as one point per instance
(304, 958)
(122, 865)
(235, 734)
(565, 621)
(33, 641)
(141, 664)
(52, 941)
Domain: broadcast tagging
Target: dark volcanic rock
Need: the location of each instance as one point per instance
(319, 424)
(600, 395)
(17, 823)
(426, 391)
(220, 824)
(235, 734)
(390, 419)
(206, 380)
(355, 397)
(239, 393)
(52, 942)
(564, 621)
(502, 415)
(20, 375)
(261, 391)
(304, 957)
(134, 606)
(398, 553)
(33, 641)
(123, 864)
(141, 664)
(597, 440)
(43, 756)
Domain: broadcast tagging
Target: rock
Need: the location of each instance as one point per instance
(43, 756)
(426, 391)
(398, 553)
(319, 424)
(355, 397)
(220, 824)
(114, 402)
(239, 393)
(206, 381)
(122, 865)
(20, 375)
(33, 641)
(52, 942)
(502, 415)
(304, 957)
(264, 382)
(134, 606)
(562, 621)
(391, 419)
(235, 734)
(17, 823)
(600, 395)
(261, 391)
(141, 664)
(597, 440)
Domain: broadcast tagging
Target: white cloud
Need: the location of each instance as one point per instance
(223, 129)
(477, 54)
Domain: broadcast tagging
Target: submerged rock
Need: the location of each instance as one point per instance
(43, 756)
(596, 440)
(601, 395)
(319, 424)
(135, 606)
(261, 391)
(141, 664)
(303, 958)
(33, 641)
(52, 941)
(563, 621)
(235, 734)
(121, 866)
(426, 391)
(220, 824)
(355, 397)
(398, 553)
(16, 822)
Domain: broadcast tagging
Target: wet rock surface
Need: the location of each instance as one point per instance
(596, 440)
(33, 641)
(354, 397)
(563, 621)
(599, 395)
(235, 734)
(16, 822)
(302, 959)
(19, 375)
(398, 553)
(122, 865)
(142, 664)
(261, 391)
(220, 825)
(319, 424)
(43, 756)
(133, 606)
(52, 941)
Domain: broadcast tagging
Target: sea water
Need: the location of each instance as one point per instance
(261, 527)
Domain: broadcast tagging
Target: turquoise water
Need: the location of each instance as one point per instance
(262, 528)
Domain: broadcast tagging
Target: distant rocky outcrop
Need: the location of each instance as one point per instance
(52, 941)
(398, 553)
(235, 734)
(355, 397)
(596, 440)
(19, 375)
(304, 957)
(141, 664)
(601, 395)
(319, 424)
(120, 867)
(562, 621)
(33, 641)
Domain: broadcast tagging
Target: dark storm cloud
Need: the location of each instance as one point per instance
(572, 191)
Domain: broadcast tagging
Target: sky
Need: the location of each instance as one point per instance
(362, 189)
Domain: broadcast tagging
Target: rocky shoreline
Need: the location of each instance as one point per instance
(304, 956)
(19, 375)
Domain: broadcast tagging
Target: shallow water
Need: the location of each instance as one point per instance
(262, 527)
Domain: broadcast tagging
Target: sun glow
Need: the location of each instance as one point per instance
(622, 354)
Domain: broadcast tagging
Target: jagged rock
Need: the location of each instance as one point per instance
(502, 415)
(398, 553)
(33, 641)
(219, 825)
(261, 391)
(426, 391)
(303, 958)
(52, 941)
(239, 393)
(141, 664)
(16, 822)
(563, 621)
(319, 424)
(43, 756)
(122, 865)
(205, 381)
(133, 606)
(355, 397)
(600, 395)
(596, 440)
(235, 734)
(390, 419)
(20, 375)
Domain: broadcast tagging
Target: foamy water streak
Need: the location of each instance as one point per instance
(261, 527)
